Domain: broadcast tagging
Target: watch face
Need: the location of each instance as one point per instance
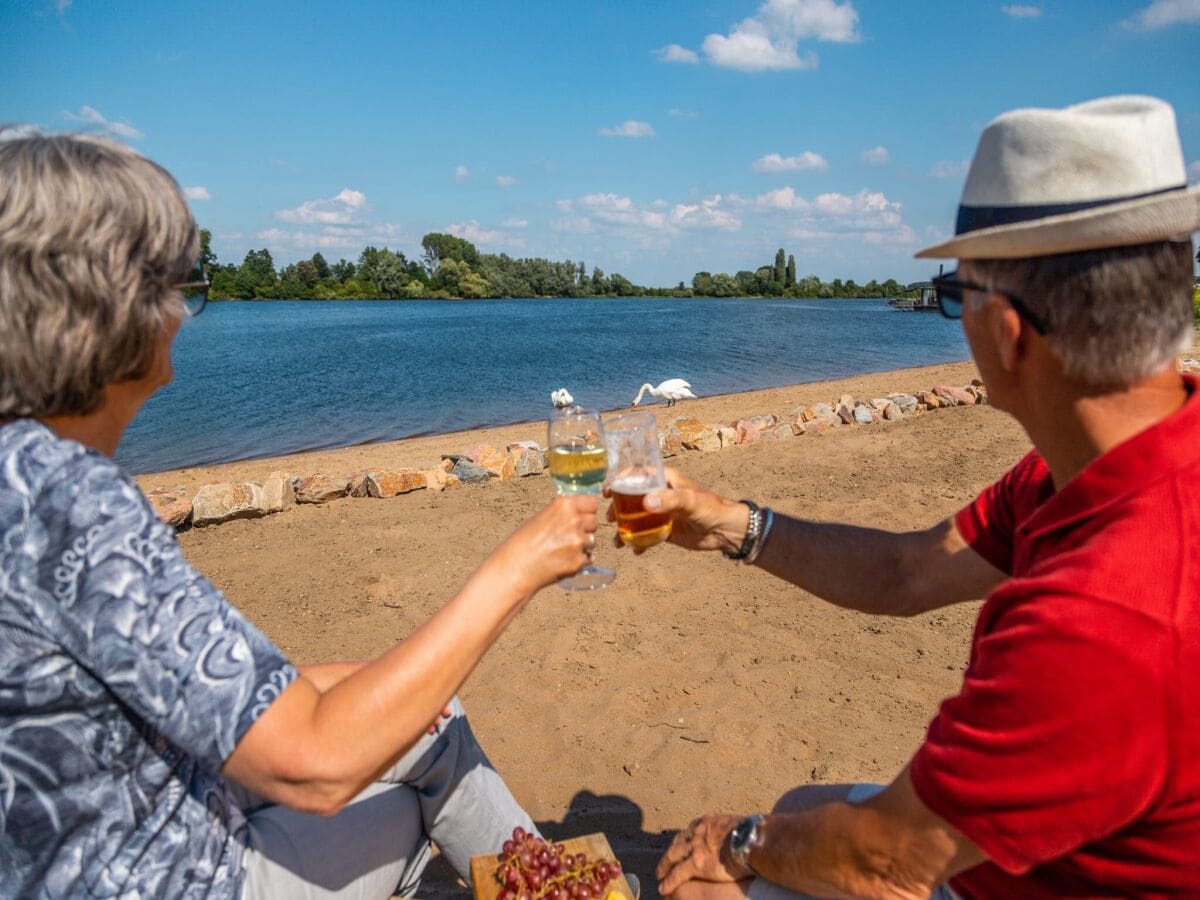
(741, 833)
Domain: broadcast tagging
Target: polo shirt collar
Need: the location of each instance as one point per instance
(1158, 452)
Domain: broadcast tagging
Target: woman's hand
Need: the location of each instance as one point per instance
(554, 543)
(700, 519)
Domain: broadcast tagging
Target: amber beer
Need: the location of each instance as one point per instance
(636, 525)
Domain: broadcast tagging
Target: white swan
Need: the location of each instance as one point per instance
(671, 390)
(562, 399)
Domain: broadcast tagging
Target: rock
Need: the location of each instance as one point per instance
(955, 395)
(279, 493)
(669, 442)
(845, 409)
(762, 423)
(906, 402)
(778, 432)
(438, 479)
(747, 432)
(930, 399)
(358, 485)
(321, 488)
(892, 412)
(468, 472)
(527, 460)
(727, 436)
(695, 435)
(497, 463)
(863, 416)
(172, 505)
(392, 483)
(981, 390)
(216, 503)
(816, 426)
(879, 404)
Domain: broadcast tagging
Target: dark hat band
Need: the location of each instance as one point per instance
(974, 218)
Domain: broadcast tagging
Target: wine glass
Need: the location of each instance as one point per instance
(578, 464)
(635, 469)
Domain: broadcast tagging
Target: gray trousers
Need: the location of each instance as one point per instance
(444, 790)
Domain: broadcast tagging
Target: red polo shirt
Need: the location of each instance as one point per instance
(1071, 756)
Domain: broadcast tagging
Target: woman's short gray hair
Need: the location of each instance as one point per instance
(1115, 315)
(92, 238)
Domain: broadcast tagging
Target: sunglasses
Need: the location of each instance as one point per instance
(950, 289)
(195, 291)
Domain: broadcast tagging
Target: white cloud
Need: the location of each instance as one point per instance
(677, 54)
(677, 113)
(461, 174)
(505, 180)
(900, 235)
(705, 214)
(1193, 172)
(515, 223)
(768, 39)
(1022, 12)
(876, 156)
(630, 128)
(325, 239)
(866, 209)
(947, 169)
(1164, 13)
(16, 132)
(573, 225)
(345, 207)
(475, 233)
(805, 162)
(90, 116)
(198, 192)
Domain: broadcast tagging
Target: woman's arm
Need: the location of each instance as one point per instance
(315, 750)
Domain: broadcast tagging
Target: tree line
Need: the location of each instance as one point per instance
(453, 268)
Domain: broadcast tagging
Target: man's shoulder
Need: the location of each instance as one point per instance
(33, 458)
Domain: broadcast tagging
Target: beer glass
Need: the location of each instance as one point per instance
(578, 464)
(635, 469)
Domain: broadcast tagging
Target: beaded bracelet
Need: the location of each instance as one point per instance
(753, 528)
(763, 533)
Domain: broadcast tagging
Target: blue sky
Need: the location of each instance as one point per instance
(653, 139)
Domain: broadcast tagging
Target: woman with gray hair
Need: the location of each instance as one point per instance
(152, 741)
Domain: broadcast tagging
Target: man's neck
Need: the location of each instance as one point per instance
(1071, 428)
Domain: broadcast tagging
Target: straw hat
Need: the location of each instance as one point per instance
(1107, 173)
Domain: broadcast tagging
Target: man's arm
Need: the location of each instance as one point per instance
(890, 845)
(867, 569)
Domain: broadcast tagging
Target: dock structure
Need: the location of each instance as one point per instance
(924, 301)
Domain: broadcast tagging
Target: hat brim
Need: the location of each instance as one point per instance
(1142, 221)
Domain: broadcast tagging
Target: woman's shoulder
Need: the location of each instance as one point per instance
(38, 466)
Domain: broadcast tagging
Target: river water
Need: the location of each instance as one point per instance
(270, 377)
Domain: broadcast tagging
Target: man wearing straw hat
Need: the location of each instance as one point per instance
(1069, 761)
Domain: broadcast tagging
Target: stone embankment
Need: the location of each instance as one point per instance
(216, 503)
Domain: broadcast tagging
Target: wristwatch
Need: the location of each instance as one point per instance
(746, 836)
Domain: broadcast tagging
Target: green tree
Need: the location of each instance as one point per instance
(789, 276)
(439, 247)
(256, 275)
(780, 268)
(322, 267)
(702, 284)
(207, 257)
(343, 270)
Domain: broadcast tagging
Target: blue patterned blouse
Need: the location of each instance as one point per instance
(126, 680)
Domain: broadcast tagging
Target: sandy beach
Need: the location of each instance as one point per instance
(693, 683)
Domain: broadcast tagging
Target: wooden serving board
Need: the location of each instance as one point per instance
(593, 846)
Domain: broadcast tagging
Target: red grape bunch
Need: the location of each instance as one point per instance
(531, 869)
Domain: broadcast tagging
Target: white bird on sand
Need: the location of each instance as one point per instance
(671, 390)
(562, 399)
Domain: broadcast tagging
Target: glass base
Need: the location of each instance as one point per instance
(589, 578)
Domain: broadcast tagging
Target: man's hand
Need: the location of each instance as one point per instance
(700, 519)
(698, 852)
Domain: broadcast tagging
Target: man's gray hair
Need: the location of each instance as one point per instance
(1115, 315)
(92, 238)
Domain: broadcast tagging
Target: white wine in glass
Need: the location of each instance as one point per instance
(578, 465)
